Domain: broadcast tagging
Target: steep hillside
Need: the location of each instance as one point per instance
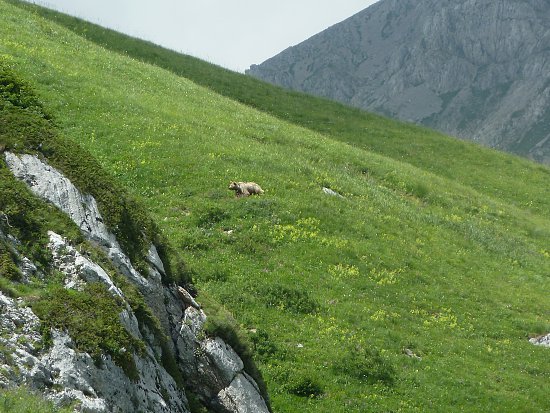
(411, 292)
(474, 69)
(497, 175)
(95, 308)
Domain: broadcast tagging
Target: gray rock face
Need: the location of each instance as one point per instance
(476, 69)
(19, 340)
(236, 397)
(50, 184)
(107, 388)
(74, 375)
(66, 375)
(214, 367)
(209, 366)
(78, 270)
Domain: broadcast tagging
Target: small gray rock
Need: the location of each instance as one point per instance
(543, 341)
(330, 192)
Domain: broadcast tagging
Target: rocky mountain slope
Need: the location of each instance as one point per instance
(476, 69)
(90, 318)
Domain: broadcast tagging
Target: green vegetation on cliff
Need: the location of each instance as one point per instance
(416, 291)
(90, 316)
(26, 401)
(25, 127)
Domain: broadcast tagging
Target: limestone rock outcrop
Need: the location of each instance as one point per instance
(210, 367)
(475, 69)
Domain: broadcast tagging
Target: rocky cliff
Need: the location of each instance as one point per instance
(97, 311)
(165, 351)
(476, 69)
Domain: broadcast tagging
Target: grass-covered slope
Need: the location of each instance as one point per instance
(497, 174)
(334, 292)
(26, 128)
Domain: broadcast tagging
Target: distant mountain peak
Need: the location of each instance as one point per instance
(476, 69)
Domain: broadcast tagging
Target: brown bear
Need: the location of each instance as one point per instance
(245, 188)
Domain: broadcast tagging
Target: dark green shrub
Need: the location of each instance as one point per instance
(170, 365)
(290, 299)
(211, 217)
(419, 190)
(366, 365)
(8, 268)
(195, 405)
(14, 91)
(258, 208)
(24, 400)
(262, 346)
(304, 386)
(9, 288)
(176, 269)
(216, 274)
(196, 240)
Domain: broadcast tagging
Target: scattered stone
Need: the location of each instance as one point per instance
(543, 341)
(330, 192)
(223, 358)
(236, 397)
(154, 259)
(187, 298)
(28, 269)
(411, 354)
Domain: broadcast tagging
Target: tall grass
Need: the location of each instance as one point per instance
(23, 400)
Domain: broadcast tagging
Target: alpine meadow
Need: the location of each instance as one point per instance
(385, 268)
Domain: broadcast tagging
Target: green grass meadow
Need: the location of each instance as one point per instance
(497, 174)
(415, 292)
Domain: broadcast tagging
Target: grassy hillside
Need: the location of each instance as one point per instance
(25, 127)
(447, 260)
(497, 174)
